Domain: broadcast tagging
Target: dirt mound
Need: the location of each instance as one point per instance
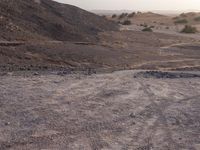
(46, 19)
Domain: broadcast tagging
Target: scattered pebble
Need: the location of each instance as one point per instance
(168, 75)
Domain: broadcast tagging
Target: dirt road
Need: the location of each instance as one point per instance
(115, 111)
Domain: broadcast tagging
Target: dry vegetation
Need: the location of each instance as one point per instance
(159, 22)
(189, 29)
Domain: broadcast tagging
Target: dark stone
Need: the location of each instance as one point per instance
(168, 75)
(132, 115)
(35, 73)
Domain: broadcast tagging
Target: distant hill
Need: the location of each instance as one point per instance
(189, 18)
(46, 19)
(141, 18)
(110, 12)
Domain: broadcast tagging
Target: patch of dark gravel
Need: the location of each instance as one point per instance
(165, 75)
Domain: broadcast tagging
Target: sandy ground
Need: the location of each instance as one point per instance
(161, 23)
(172, 30)
(106, 111)
(114, 50)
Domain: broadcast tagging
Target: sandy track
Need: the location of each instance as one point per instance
(105, 111)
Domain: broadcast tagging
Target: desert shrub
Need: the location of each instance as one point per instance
(123, 15)
(167, 28)
(131, 15)
(126, 22)
(197, 19)
(152, 26)
(183, 15)
(175, 18)
(114, 16)
(147, 29)
(181, 21)
(144, 25)
(189, 29)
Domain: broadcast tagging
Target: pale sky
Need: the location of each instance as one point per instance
(143, 5)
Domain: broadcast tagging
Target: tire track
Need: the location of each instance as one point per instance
(161, 117)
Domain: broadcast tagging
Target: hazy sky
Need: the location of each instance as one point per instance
(136, 4)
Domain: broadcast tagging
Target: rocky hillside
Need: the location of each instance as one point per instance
(47, 19)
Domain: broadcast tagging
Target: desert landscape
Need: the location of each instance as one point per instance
(74, 80)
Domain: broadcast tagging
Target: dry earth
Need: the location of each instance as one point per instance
(116, 111)
(114, 50)
(125, 110)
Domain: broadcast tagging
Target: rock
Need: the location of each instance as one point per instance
(62, 73)
(133, 123)
(132, 115)
(10, 73)
(3, 73)
(7, 123)
(35, 73)
(167, 75)
(56, 82)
